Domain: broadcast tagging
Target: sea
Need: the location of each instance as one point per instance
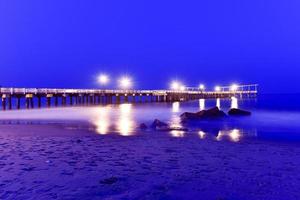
(274, 117)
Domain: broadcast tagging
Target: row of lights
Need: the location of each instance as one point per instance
(175, 85)
(125, 82)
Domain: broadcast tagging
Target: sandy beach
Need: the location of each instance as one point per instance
(63, 163)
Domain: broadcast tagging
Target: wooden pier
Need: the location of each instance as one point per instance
(17, 98)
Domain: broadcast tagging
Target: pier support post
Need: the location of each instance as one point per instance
(99, 99)
(109, 99)
(56, 101)
(48, 102)
(29, 101)
(3, 102)
(64, 100)
(95, 100)
(18, 102)
(87, 99)
(76, 100)
(118, 99)
(79, 100)
(9, 102)
(71, 100)
(49, 96)
(91, 99)
(146, 98)
(39, 101)
(134, 98)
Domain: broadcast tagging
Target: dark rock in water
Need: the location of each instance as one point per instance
(212, 113)
(188, 115)
(143, 126)
(238, 112)
(167, 128)
(178, 129)
(109, 181)
(159, 124)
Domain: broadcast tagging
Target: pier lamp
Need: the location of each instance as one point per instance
(234, 87)
(175, 85)
(103, 79)
(125, 82)
(182, 88)
(201, 87)
(217, 88)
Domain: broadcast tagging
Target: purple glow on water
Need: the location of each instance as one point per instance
(277, 121)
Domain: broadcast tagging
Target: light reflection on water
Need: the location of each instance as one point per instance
(201, 134)
(202, 104)
(234, 102)
(102, 120)
(175, 107)
(234, 135)
(175, 121)
(177, 133)
(125, 122)
(218, 103)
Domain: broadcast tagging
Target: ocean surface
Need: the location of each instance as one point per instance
(274, 117)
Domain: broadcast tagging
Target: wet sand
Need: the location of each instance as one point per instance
(52, 162)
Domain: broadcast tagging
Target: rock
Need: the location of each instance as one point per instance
(238, 112)
(178, 129)
(188, 115)
(143, 126)
(212, 113)
(109, 181)
(167, 128)
(159, 124)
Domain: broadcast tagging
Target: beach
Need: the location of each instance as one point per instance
(59, 162)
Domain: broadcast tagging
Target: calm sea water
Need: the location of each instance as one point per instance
(274, 117)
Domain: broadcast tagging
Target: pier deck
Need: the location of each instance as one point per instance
(64, 97)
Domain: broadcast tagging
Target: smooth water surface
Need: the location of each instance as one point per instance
(273, 117)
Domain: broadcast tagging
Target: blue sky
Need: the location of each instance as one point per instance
(67, 43)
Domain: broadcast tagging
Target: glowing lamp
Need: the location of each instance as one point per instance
(201, 87)
(103, 79)
(234, 87)
(175, 85)
(125, 83)
(218, 88)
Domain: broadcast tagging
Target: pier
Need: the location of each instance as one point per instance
(17, 98)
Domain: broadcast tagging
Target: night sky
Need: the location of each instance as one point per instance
(66, 43)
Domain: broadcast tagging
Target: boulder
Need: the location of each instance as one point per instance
(189, 115)
(167, 128)
(238, 112)
(213, 113)
(143, 126)
(159, 124)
